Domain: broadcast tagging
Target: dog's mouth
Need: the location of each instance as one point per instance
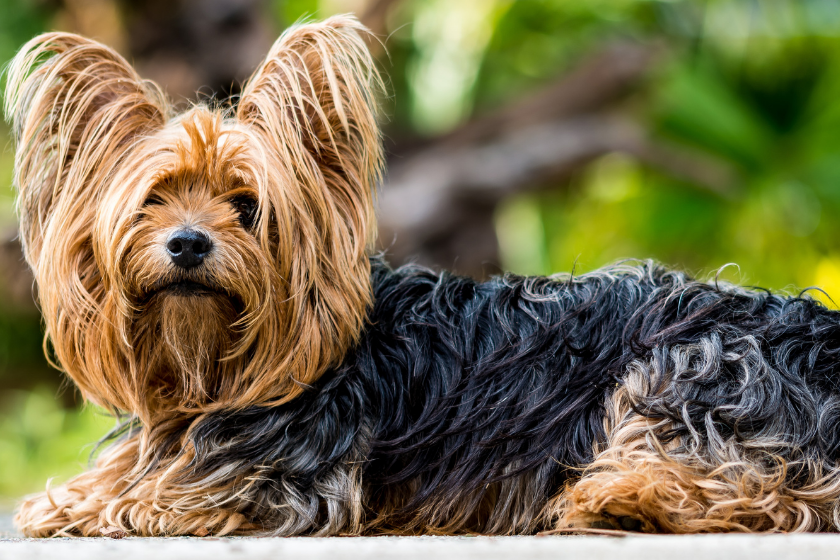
(186, 288)
(191, 288)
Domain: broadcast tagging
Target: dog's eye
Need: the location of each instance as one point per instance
(152, 200)
(247, 207)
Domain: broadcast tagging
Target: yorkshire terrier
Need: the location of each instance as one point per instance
(209, 278)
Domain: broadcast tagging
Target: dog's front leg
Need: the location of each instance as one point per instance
(77, 508)
(153, 506)
(63, 511)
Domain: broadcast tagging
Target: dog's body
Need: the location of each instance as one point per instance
(469, 407)
(209, 275)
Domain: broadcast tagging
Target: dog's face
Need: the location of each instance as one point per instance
(212, 259)
(194, 254)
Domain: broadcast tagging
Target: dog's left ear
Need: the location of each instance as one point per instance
(312, 103)
(314, 99)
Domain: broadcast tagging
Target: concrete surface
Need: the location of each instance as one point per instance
(7, 530)
(708, 547)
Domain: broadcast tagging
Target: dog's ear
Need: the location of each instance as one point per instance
(75, 107)
(312, 103)
(314, 100)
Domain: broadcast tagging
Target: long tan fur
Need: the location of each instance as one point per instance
(93, 143)
(97, 150)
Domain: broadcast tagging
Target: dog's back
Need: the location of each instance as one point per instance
(477, 407)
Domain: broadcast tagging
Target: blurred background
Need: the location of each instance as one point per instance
(535, 136)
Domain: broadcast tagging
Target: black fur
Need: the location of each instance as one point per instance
(457, 386)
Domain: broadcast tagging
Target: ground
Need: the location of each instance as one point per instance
(708, 547)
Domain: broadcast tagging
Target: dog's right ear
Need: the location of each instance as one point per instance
(75, 107)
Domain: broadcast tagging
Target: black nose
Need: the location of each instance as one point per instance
(188, 247)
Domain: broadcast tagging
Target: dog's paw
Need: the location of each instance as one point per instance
(57, 512)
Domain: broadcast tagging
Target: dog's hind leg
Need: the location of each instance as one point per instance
(643, 481)
(636, 485)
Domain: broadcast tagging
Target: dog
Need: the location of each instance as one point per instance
(209, 278)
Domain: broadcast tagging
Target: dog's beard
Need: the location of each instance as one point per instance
(187, 338)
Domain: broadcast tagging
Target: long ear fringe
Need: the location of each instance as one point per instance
(76, 108)
(313, 104)
(74, 104)
(315, 97)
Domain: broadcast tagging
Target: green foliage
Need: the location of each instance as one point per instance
(39, 440)
(537, 40)
(7, 218)
(751, 86)
(288, 12)
(20, 20)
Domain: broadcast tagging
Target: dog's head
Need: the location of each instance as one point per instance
(212, 259)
